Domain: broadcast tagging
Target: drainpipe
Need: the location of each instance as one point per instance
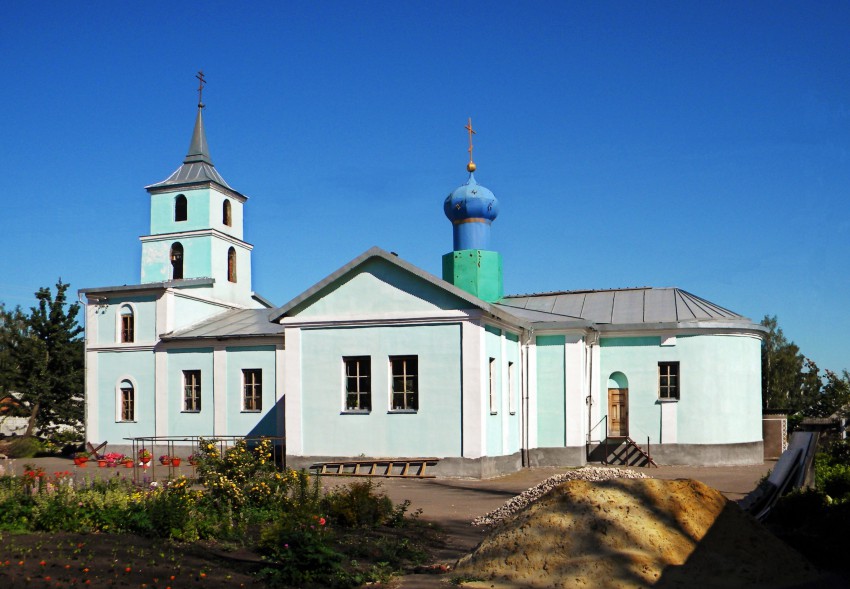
(592, 340)
(526, 335)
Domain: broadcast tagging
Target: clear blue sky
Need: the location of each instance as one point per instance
(704, 145)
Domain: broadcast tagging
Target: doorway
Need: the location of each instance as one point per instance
(618, 413)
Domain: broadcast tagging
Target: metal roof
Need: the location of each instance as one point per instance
(180, 283)
(197, 167)
(234, 323)
(628, 306)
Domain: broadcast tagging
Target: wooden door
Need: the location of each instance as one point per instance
(618, 412)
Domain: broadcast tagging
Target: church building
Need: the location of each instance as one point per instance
(383, 359)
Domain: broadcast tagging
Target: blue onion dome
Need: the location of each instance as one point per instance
(471, 201)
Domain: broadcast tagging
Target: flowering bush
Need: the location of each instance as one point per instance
(113, 457)
(144, 453)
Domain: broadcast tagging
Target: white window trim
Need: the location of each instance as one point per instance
(390, 390)
(183, 390)
(118, 308)
(242, 391)
(118, 399)
(678, 382)
(344, 375)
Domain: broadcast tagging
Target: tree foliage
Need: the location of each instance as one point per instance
(41, 361)
(794, 383)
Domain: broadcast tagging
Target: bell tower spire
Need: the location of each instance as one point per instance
(199, 152)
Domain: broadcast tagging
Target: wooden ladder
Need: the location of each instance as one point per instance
(377, 467)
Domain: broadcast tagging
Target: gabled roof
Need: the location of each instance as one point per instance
(629, 306)
(235, 323)
(378, 253)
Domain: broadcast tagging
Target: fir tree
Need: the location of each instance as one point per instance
(46, 353)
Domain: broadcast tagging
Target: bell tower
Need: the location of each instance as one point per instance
(196, 224)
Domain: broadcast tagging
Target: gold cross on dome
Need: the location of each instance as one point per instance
(469, 128)
(201, 82)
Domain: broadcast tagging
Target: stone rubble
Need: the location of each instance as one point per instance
(587, 473)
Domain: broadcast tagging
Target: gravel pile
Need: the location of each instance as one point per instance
(588, 473)
(633, 534)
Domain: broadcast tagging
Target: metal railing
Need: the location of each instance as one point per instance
(188, 446)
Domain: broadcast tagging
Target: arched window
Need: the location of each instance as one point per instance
(180, 208)
(128, 325)
(231, 265)
(126, 401)
(176, 261)
(225, 213)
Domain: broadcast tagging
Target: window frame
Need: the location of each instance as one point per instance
(408, 406)
(226, 213)
(192, 391)
(359, 377)
(125, 405)
(231, 264)
(256, 388)
(669, 392)
(126, 315)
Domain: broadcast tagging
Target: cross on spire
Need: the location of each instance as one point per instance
(201, 82)
(471, 165)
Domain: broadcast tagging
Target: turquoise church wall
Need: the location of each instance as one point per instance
(249, 422)
(378, 287)
(179, 421)
(156, 264)
(493, 349)
(719, 400)
(435, 429)
(204, 210)
(503, 426)
(144, 311)
(138, 368)
(551, 390)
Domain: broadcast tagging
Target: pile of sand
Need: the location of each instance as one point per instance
(633, 533)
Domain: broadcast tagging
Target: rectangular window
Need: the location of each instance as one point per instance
(252, 389)
(668, 380)
(192, 390)
(128, 404)
(358, 383)
(405, 383)
(511, 391)
(494, 394)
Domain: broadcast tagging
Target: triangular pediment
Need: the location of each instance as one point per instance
(379, 283)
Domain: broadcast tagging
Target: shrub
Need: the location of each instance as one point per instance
(24, 447)
(358, 504)
(298, 545)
